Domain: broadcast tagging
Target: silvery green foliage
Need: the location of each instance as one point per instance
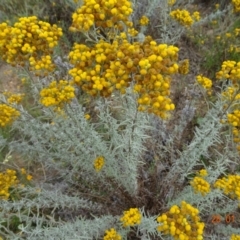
(66, 145)
(166, 139)
(163, 28)
(53, 198)
(29, 211)
(218, 14)
(50, 225)
(183, 162)
(69, 144)
(204, 144)
(3, 142)
(125, 134)
(217, 237)
(79, 229)
(206, 135)
(147, 229)
(213, 203)
(38, 208)
(227, 230)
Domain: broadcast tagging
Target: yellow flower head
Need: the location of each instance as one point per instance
(8, 179)
(144, 21)
(203, 173)
(184, 67)
(204, 82)
(29, 41)
(236, 5)
(131, 217)
(112, 234)
(181, 222)
(13, 98)
(98, 163)
(229, 70)
(23, 171)
(200, 185)
(103, 14)
(107, 67)
(229, 185)
(29, 177)
(196, 16)
(57, 94)
(87, 116)
(182, 16)
(8, 115)
(235, 237)
(171, 2)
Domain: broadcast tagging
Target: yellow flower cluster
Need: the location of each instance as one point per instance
(13, 98)
(87, 116)
(228, 39)
(235, 237)
(105, 14)
(57, 94)
(203, 173)
(43, 62)
(182, 223)
(112, 235)
(234, 120)
(231, 93)
(233, 49)
(229, 70)
(184, 17)
(236, 5)
(29, 40)
(24, 173)
(196, 16)
(8, 115)
(230, 186)
(200, 185)
(236, 32)
(98, 163)
(131, 217)
(204, 82)
(228, 35)
(217, 6)
(105, 67)
(7, 180)
(144, 21)
(171, 2)
(184, 67)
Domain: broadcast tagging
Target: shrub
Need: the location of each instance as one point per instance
(107, 157)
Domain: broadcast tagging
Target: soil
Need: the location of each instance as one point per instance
(9, 81)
